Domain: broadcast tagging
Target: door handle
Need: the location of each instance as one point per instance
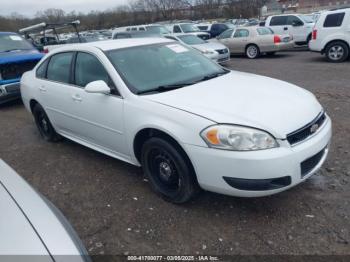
(42, 89)
(285, 29)
(77, 98)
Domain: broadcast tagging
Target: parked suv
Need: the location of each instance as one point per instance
(331, 35)
(299, 26)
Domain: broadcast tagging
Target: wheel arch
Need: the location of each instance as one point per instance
(146, 133)
(32, 104)
(333, 41)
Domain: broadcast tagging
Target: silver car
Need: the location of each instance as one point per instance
(254, 41)
(31, 228)
(213, 50)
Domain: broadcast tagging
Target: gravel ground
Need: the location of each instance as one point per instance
(114, 211)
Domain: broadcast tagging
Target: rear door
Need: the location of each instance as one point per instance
(239, 41)
(55, 92)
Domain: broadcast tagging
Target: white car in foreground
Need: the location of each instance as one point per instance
(31, 227)
(186, 120)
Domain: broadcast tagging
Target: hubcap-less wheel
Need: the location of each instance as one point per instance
(164, 170)
(168, 170)
(336, 53)
(252, 51)
(43, 123)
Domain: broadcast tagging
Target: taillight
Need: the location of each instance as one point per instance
(276, 39)
(314, 34)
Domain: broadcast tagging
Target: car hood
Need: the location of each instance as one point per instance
(246, 99)
(210, 46)
(17, 236)
(20, 56)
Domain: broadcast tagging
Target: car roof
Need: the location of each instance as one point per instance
(8, 33)
(115, 44)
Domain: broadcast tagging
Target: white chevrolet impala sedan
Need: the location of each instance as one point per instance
(187, 121)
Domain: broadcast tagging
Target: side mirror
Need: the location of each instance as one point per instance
(98, 87)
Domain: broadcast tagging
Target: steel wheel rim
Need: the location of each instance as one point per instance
(43, 124)
(336, 52)
(163, 170)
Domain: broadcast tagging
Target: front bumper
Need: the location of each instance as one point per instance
(9, 92)
(214, 168)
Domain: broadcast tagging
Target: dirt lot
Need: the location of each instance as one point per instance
(114, 211)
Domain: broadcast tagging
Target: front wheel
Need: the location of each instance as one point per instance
(252, 51)
(44, 125)
(337, 52)
(168, 171)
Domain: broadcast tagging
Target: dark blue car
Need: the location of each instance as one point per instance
(16, 57)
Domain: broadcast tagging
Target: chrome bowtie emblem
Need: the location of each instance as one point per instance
(314, 128)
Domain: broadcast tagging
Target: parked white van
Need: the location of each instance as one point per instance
(297, 25)
(187, 28)
(331, 35)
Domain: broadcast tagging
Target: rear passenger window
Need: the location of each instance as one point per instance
(241, 33)
(334, 20)
(278, 20)
(41, 71)
(88, 69)
(59, 67)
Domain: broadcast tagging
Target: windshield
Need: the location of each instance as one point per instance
(157, 29)
(188, 28)
(191, 40)
(308, 19)
(13, 42)
(146, 68)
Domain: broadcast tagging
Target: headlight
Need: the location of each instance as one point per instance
(238, 138)
(208, 52)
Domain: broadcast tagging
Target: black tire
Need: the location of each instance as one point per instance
(270, 53)
(252, 51)
(308, 40)
(168, 171)
(44, 125)
(337, 52)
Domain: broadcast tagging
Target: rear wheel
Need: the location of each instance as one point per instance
(168, 171)
(44, 125)
(252, 51)
(337, 52)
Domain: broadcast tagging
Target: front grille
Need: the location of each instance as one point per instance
(12, 89)
(16, 70)
(309, 164)
(306, 131)
(222, 51)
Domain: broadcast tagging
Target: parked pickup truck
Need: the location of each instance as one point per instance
(16, 57)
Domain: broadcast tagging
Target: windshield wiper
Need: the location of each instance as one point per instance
(211, 76)
(165, 88)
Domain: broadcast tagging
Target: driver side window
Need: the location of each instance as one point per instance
(241, 33)
(177, 29)
(293, 20)
(89, 69)
(226, 34)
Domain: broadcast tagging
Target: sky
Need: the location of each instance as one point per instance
(30, 7)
